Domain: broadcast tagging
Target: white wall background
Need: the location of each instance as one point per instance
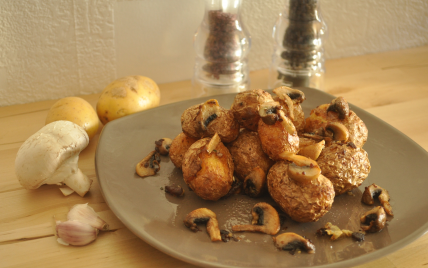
(56, 48)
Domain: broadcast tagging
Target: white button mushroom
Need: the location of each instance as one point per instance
(50, 156)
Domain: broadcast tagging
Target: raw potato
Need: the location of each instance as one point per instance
(126, 96)
(76, 110)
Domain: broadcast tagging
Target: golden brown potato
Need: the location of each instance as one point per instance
(303, 202)
(245, 107)
(209, 175)
(275, 139)
(206, 119)
(345, 165)
(247, 153)
(324, 114)
(179, 147)
(189, 123)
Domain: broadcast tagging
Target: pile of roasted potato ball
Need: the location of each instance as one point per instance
(264, 144)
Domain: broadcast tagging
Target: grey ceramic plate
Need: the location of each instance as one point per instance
(398, 164)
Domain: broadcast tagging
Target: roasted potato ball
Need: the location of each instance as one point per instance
(209, 175)
(290, 99)
(345, 165)
(245, 107)
(247, 153)
(303, 202)
(206, 119)
(179, 147)
(278, 136)
(337, 112)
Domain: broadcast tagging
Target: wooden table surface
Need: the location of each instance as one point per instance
(393, 86)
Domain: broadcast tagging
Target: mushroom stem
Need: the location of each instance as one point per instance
(79, 182)
(69, 173)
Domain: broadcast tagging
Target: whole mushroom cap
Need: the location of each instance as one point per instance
(50, 152)
(302, 202)
(345, 166)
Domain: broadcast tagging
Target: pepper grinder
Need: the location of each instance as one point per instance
(298, 58)
(222, 45)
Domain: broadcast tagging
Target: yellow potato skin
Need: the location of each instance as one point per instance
(76, 110)
(127, 95)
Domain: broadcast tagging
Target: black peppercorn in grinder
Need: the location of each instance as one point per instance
(298, 58)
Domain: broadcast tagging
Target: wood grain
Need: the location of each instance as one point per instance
(393, 86)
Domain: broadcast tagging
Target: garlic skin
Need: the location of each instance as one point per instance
(75, 233)
(85, 214)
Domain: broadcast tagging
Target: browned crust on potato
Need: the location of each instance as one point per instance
(179, 147)
(344, 166)
(275, 140)
(247, 154)
(210, 176)
(319, 118)
(189, 123)
(224, 125)
(245, 107)
(302, 202)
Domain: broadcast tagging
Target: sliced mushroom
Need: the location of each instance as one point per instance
(334, 231)
(339, 131)
(340, 106)
(312, 151)
(203, 215)
(282, 94)
(374, 220)
(255, 182)
(265, 220)
(268, 111)
(302, 169)
(296, 95)
(149, 166)
(374, 191)
(294, 243)
(209, 111)
(215, 140)
(162, 146)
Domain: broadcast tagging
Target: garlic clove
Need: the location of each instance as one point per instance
(75, 233)
(86, 214)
